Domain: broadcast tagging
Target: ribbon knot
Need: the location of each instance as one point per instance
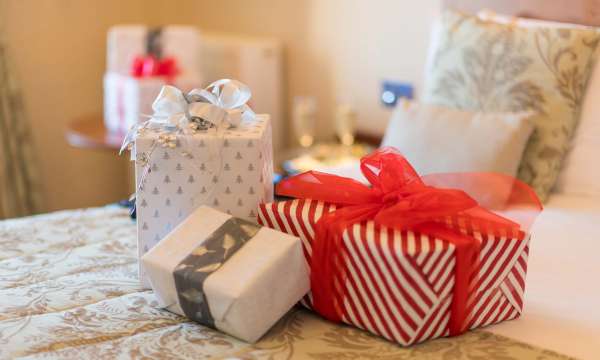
(391, 199)
(399, 198)
(149, 65)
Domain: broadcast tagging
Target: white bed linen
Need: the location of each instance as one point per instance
(562, 299)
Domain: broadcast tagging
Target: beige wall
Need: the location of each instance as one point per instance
(57, 48)
(58, 53)
(336, 50)
(363, 42)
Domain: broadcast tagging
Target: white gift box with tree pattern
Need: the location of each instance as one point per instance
(231, 172)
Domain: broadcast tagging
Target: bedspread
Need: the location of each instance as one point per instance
(69, 289)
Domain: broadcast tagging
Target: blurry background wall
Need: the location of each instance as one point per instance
(335, 50)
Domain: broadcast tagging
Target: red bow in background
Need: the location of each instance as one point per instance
(149, 65)
(399, 198)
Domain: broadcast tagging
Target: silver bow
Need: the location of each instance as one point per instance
(222, 103)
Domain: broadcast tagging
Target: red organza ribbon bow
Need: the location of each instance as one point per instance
(144, 66)
(399, 198)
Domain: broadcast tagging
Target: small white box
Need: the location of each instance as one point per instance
(228, 273)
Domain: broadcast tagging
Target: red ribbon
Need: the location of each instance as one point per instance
(399, 198)
(144, 66)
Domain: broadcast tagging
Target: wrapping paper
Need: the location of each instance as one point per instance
(222, 272)
(400, 283)
(127, 99)
(231, 171)
(126, 42)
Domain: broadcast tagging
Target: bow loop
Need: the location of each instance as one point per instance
(403, 198)
(230, 94)
(169, 106)
(388, 170)
(329, 188)
(223, 101)
(407, 209)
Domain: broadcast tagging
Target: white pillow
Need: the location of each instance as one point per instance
(580, 173)
(438, 139)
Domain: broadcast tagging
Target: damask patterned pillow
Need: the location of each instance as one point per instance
(488, 66)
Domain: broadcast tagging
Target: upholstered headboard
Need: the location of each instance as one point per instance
(585, 12)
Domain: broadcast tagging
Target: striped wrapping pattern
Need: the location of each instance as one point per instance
(400, 283)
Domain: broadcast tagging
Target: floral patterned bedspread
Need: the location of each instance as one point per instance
(69, 290)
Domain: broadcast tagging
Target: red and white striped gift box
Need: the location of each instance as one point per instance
(399, 284)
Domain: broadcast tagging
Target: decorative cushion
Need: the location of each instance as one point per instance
(579, 175)
(437, 139)
(488, 66)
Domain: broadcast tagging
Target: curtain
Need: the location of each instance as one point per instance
(18, 182)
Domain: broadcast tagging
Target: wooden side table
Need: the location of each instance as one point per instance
(89, 132)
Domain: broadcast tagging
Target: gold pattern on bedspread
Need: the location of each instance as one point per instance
(69, 290)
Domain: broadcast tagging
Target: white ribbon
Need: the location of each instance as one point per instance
(221, 103)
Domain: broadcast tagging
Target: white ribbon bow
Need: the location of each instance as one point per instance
(222, 102)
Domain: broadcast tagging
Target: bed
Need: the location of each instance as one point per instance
(69, 290)
(69, 287)
(561, 304)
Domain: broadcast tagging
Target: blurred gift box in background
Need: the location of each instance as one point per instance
(335, 52)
